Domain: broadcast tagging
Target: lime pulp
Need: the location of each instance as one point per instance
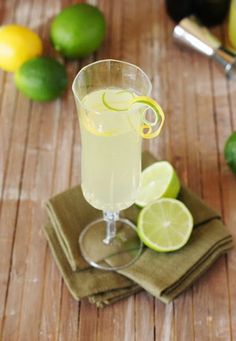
(165, 225)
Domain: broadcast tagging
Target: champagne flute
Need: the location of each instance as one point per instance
(111, 100)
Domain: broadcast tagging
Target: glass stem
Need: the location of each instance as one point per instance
(110, 218)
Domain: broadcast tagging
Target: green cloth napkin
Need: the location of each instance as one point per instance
(164, 275)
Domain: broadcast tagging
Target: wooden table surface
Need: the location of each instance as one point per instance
(40, 156)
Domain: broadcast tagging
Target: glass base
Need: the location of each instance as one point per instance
(110, 254)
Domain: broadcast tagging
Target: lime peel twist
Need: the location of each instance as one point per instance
(158, 112)
(151, 104)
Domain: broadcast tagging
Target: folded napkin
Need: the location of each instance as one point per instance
(164, 275)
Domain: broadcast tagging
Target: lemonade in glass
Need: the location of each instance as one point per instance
(112, 101)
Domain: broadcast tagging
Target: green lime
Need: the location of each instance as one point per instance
(165, 225)
(157, 181)
(78, 30)
(230, 152)
(41, 79)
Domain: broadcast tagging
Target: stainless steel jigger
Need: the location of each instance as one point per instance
(190, 32)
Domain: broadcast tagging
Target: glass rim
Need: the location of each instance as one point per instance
(79, 99)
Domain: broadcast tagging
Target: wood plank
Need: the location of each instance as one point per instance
(44, 326)
(69, 318)
(178, 107)
(88, 313)
(88, 320)
(69, 308)
(117, 323)
(164, 321)
(23, 225)
(214, 322)
(11, 194)
(51, 299)
(61, 179)
(105, 324)
(158, 74)
(30, 314)
(183, 306)
(188, 174)
(148, 58)
(144, 317)
(225, 116)
(183, 314)
(123, 319)
(28, 199)
(108, 326)
(115, 22)
(7, 100)
(161, 146)
(23, 228)
(229, 198)
(37, 241)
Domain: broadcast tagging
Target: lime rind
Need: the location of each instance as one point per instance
(148, 125)
(157, 236)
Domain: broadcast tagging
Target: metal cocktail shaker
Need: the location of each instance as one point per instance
(190, 32)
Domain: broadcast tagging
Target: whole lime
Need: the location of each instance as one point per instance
(230, 151)
(41, 78)
(78, 30)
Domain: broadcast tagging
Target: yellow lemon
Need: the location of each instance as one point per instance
(17, 45)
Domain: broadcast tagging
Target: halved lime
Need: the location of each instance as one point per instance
(165, 225)
(157, 181)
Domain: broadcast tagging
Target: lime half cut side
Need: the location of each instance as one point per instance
(165, 225)
(157, 181)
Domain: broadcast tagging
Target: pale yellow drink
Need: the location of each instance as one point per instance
(111, 149)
